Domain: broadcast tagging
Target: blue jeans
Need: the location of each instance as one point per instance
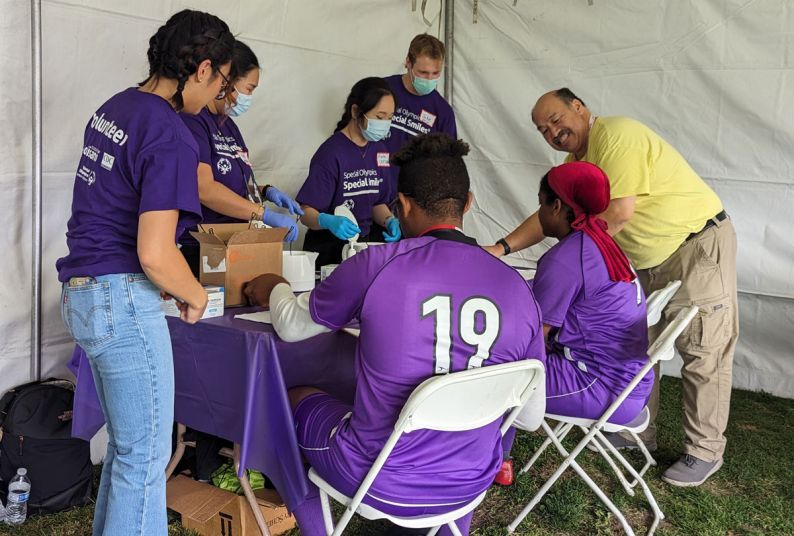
(117, 320)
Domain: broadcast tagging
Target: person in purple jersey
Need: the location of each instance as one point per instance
(227, 188)
(135, 192)
(351, 168)
(421, 109)
(407, 297)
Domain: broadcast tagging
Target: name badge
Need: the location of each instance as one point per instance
(383, 160)
(427, 118)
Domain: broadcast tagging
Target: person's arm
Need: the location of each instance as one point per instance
(527, 234)
(221, 199)
(165, 266)
(381, 214)
(309, 218)
(546, 329)
(618, 213)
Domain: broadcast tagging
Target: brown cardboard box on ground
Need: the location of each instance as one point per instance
(211, 511)
(231, 254)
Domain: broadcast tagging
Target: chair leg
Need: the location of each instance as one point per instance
(570, 460)
(249, 494)
(561, 430)
(597, 441)
(433, 531)
(179, 451)
(342, 524)
(453, 528)
(649, 460)
(328, 519)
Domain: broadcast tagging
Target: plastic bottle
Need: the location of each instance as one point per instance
(18, 494)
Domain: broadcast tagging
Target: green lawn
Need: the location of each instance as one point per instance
(752, 494)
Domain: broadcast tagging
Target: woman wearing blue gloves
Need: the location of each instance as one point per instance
(351, 168)
(227, 188)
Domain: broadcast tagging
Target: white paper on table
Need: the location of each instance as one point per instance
(262, 317)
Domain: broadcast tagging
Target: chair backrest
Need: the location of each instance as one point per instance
(659, 299)
(663, 348)
(470, 399)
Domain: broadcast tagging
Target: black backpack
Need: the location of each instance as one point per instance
(36, 428)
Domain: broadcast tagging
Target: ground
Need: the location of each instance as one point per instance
(752, 494)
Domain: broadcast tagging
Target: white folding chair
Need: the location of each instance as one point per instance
(453, 402)
(659, 299)
(661, 349)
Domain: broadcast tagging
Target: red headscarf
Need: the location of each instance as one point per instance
(585, 188)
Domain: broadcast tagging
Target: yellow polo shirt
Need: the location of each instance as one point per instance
(672, 200)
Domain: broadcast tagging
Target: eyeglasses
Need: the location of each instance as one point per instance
(224, 87)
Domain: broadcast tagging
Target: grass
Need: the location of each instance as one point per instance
(752, 494)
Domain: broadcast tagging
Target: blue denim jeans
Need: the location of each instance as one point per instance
(117, 320)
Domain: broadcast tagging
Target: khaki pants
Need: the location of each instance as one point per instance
(706, 266)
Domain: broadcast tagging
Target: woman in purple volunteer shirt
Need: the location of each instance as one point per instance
(135, 191)
(227, 188)
(351, 168)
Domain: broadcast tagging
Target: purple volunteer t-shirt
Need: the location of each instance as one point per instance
(406, 296)
(342, 173)
(416, 114)
(220, 146)
(600, 321)
(137, 157)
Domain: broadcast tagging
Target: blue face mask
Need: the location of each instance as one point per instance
(242, 104)
(424, 86)
(377, 129)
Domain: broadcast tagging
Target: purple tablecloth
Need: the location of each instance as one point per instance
(231, 381)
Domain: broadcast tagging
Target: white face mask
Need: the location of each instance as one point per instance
(242, 104)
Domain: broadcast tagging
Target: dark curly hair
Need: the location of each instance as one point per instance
(366, 94)
(181, 44)
(433, 173)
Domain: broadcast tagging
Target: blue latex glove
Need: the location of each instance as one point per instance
(276, 219)
(279, 198)
(340, 226)
(393, 233)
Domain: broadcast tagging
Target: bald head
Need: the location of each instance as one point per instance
(563, 120)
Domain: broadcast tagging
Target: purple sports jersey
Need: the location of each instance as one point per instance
(342, 173)
(137, 157)
(426, 306)
(602, 323)
(416, 114)
(220, 146)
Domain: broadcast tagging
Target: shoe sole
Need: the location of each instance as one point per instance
(693, 484)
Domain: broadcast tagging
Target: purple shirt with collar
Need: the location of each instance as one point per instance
(602, 323)
(405, 295)
(342, 173)
(137, 157)
(416, 114)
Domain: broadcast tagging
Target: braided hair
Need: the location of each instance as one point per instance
(366, 94)
(181, 44)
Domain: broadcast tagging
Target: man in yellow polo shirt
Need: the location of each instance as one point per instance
(671, 225)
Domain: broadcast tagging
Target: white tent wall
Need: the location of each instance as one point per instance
(713, 77)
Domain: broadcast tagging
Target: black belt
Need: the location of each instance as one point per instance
(711, 222)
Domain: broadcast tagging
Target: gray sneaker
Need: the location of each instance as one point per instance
(690, 471)
(621, 443)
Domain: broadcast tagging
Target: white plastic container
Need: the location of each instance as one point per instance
(18, 494)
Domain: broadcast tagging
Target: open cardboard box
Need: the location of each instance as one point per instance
(231, 254)
(211, 511)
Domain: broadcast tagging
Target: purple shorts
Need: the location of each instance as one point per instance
(575, 393)
(316, 418)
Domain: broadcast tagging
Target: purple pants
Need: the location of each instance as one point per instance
(316, 418)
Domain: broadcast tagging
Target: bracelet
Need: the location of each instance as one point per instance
(505, 245)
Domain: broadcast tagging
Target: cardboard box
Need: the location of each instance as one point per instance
(211, 511)
(214, 305)
(231, 254)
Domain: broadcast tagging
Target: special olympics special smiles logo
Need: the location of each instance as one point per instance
(224, 166)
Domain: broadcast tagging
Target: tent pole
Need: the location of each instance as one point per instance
(35, 319)
(449, 42)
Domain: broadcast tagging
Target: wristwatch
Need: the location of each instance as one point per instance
(505, 245)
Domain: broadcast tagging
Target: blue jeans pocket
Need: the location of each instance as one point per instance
(87, 313)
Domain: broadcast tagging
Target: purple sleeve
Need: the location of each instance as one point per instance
(447, 124)
(337, 300)
(319, 188)
(556, 284)
(201, 134)
(168, 175)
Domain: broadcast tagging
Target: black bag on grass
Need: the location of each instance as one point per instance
(36, 428)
